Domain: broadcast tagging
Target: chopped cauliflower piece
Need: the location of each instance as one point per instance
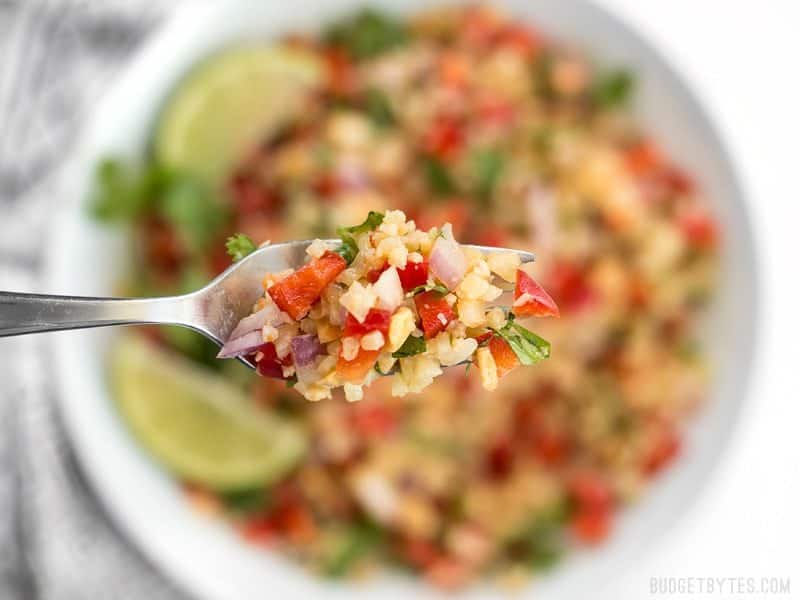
(470, 312)
(316, 249)
(487, 368)
(472, 287)
(495, 318)
(400, 327)
(350, 346)
(504, 264)
(373, 341)
(358, 300)
(353, 393)
(269, 333)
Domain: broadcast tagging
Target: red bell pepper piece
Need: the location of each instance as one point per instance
(434, 311)
(444, 139)
(643, 158)
(269, 365)
(413, 275)
(591, 526)
(570, 286)
(376, 320)
(591, 522)
(536, 302)
(525, 41)
(664, 452)
(699, 229)
(354, 371)
(373, 275)
(296, 293)
(590, 491)
(503, 355)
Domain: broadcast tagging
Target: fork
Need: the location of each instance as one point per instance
(213, 310)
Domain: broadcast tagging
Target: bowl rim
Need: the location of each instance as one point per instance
(148, 55)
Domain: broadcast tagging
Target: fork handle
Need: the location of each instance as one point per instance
(22, 313)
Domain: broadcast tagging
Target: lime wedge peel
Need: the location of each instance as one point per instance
(197, 424)
(229, 103)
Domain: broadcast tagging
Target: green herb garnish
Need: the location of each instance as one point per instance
(371, 223)
(488, 165)
(367, 34)
(529, 347)
(291, 381)
(428, 287)
(411, 347)
(351, 545)
(540, 544)
(349, 248)
(377, 105)
(239, 246)
(437, 176)
(246, 501)
(122, 193)
(612, 89)
(195, 213)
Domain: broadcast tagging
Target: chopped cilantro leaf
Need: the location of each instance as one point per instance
(349, 248)
(437, 176)
(376, 103)
(612, 89)
(488, 166)
(195, 213)
(529, 347)
(122, 193)
(239, 246)
(367, 34)
(428, 287)
(247, 501)
(373, 220)
(350, 546)
(411, 347)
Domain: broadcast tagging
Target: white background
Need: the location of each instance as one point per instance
(744, 60)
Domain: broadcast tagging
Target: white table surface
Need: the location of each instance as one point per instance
(742, 58)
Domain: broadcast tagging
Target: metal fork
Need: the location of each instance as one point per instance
(213, 310)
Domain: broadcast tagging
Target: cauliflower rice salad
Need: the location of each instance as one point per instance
(391, 299)
(462, 115)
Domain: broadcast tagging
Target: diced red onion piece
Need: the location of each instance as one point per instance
(305, 348)
(241, 345)
(447, 262)
(389, 290)
(269, 315)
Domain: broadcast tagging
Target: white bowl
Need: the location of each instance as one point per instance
(205, 557)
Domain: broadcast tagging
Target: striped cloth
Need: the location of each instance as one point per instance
(56, 543)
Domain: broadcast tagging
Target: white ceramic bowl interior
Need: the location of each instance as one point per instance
(206, 558)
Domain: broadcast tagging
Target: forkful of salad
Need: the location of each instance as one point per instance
(384, 299)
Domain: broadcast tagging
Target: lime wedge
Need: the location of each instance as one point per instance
(197, 424)
(229, 103)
